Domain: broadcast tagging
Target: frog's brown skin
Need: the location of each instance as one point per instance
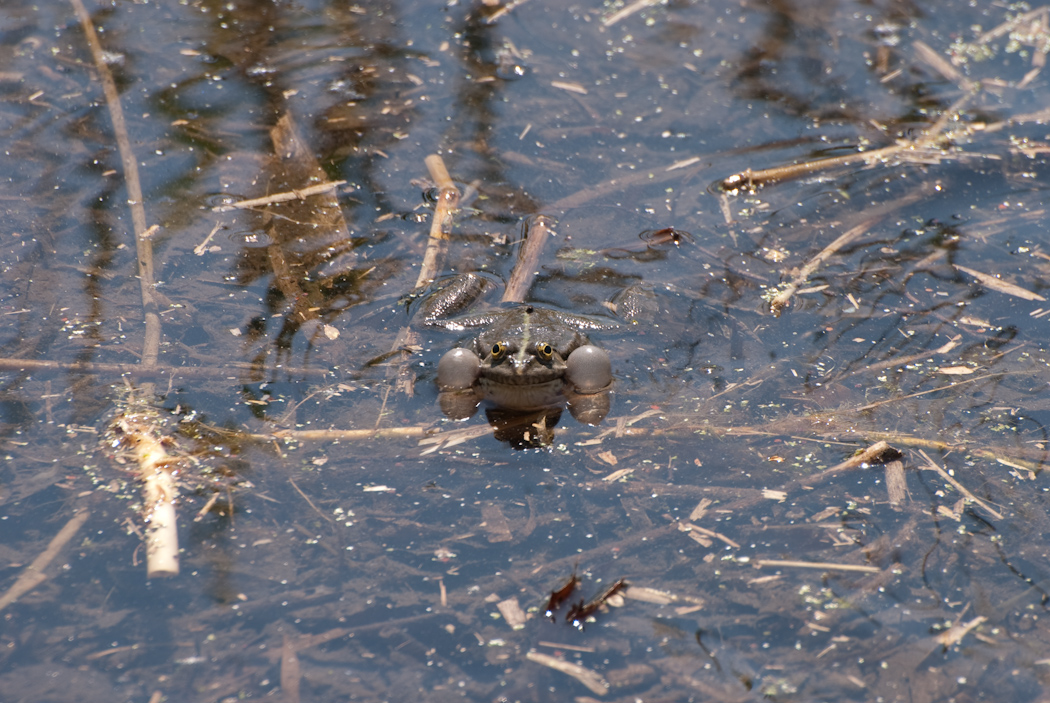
(527, 357)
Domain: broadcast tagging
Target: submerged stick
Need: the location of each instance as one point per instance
(959, 487)
(151, 340)
(33, 575)
(781, 300)
(537, 230)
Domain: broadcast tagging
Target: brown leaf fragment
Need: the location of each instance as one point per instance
(956, 370)
(511, 611)
(591, 679)
(290, 671)
(496, 525)
(617, 475)
(955, 633)
(999, 285)
(700, 509)
(570, 86)
(896, 484)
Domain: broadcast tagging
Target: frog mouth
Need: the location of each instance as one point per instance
(521, 393)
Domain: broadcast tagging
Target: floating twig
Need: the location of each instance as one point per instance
(348, 435)
(924, 149)
(693, 527)
(1000, 286)
(202, 248)
(294, 194)
(137, 370)
(822, 565)
(749, 178)
(896, 484)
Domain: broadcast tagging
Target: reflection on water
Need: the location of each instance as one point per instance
(341, 538)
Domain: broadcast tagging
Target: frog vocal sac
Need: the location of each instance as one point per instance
(529, 358)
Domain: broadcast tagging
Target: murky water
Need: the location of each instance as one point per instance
(349, 564)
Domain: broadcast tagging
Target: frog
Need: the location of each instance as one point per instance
(525, 357)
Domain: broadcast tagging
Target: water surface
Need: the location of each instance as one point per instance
(384, 567)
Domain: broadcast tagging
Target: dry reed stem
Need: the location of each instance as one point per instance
(874, 454)
(624, 13)
(155, 467)
(440, 226)
(788, 426)
(33, 575)
(348, 435)
(143, 248)
(1009, 25)
(922, 149)
(509, 7)
(822, 565)
(1000, 286)
(136, 370)
(750, 179)
(287, 196)
(942, 65)
(538, 230)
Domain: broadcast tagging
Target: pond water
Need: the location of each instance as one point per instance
(339, 537)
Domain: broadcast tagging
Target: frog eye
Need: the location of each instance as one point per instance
(498, 350)
(544, 351)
